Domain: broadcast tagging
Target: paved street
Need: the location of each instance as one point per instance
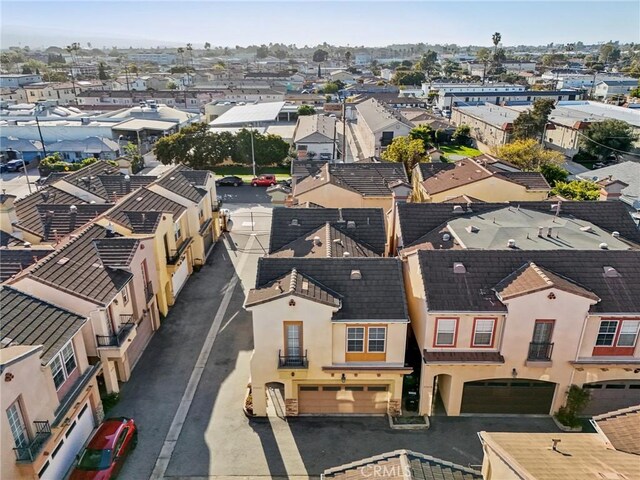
(215, 439)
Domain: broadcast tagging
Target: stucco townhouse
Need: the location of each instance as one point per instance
(359, 185)
(109, 279)
(315, 136)
(329, 336)
(480, 178)
(49, 398)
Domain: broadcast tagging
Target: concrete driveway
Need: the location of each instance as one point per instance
(214, 439)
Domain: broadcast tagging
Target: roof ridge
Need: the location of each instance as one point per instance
(294, 280)
(328, 244)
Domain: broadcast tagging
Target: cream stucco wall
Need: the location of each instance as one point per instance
(325, 344)
(491, 189)
(331, 196)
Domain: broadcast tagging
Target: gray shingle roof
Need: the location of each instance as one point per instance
(27, 320)
(27, 207)
(419, 219)
(473, 290)
(143, 200)
(143, 222)
(531, 180)
(13, 261)
(175, 181)
(8, 240)
(87, 178)
(196, 177)
(378, 295)
(369, 225)
(393, 465)
(117, 186)
(117, 251)
(77, 268)
(60, 220)
(304, 168)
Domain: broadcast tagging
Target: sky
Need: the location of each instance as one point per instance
(145, 23)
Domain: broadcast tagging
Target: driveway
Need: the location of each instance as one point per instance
(214, 439)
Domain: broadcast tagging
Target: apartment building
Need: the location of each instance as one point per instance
(329, 336)
(61, 93)
(315, 136)
(50, 397)
(377, 126)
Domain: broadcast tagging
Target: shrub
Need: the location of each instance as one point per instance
(577, 400)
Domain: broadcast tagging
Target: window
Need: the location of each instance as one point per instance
(377, 337)
(125, 296)
(63, 365)
(69, 359)
(57, 372)
(607, 333)
(355, 339)
(628, 333)
(177, 233)
(16, 423)
(483, 332)
(445, 332)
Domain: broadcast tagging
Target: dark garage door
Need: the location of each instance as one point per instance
(612, 395)
(508, 396)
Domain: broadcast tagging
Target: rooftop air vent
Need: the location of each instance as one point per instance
(351, 224)
(356, 275)
(458, 209)
(446, 237)
(586, 228)
(345, 254)
(316, 241)
(459, 267)
(472, 229)
(615, 234)
(603, 246)
(73, 209)
(294, 222)
(511, 243)
(610, 272)
(63, 260)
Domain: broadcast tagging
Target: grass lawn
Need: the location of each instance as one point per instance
(246, 173)
(460, 150)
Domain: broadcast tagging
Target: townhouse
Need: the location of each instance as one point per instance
(315, 136)
(60, 93)
(354, 184)
(607, 89)
(480, 178)
(50, 396)
(377, 126)
(329, 336)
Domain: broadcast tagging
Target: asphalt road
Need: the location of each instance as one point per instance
(213, 438)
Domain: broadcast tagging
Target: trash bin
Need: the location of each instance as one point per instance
(412, 400)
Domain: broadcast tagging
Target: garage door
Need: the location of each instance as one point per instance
(64, 453)
(508, 396)
(208, 240)
(143, 335)
(328, 399)
(612, 395)
(180, 277)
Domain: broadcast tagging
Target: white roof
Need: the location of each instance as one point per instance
(138, 124)
(234, 130)
(602, 111)
(245, 114)
(628, 172)
(284, 131)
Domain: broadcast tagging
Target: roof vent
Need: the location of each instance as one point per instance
(458, 209)
(511, 243)
(603, 246)
(316, 241)
(127, 178)
(139, 199)
(305, 286)
(610, 272)
(615, 234)
(472, 229)
(351, 224)
(459, 267)
(27, 245)
(294, 222)
(172, 178)
(345, 254)
(586, 228)
(446, 237)
(63, 260)
(73, 209)
(356, 275)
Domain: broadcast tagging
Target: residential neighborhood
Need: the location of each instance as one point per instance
(352, 252)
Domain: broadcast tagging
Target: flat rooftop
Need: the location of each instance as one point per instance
(245, 114)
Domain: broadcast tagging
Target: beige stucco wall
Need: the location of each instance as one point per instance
(564, 138)
(591, 333)
(495, 468)
(331, 196)
(486, 133)
(492, 189)
(325, 344)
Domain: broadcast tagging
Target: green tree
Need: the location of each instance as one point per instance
(172, 85)
(306, 110)
(269, 149)
(427, 62)
(609, 53)
(424, 133)
(347, 57)
(403, 77)
(461, 134)
(527, 154)
(207, 46)
(192, 145)
(262, 52)
(610, 137)
(531, 123)
(406, 150)
(320, 56)
(332, 87)
(102, 71)
(553, 173)
(577, 190)
(132, 152)
(635, 93)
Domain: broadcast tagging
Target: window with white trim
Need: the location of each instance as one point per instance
(125, 295)
(16, 424)
(355, 339)
(483, 334)
(445, 332)
(607, 333)
(628, 333)
(62, 365)
(377, 339)
(177, 233)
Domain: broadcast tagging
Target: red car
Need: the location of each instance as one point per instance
(104, 456)
(265, 180)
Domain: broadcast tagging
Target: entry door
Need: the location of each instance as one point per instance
(294, 339)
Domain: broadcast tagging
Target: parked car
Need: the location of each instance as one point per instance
(105, 453)
(230, 181)
(14, 165)
(265, 180)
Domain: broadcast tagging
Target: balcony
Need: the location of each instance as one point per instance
(176, 254)
(127, 322)
(29, 453)
(540, 352)
(148, 292)
(292, 361)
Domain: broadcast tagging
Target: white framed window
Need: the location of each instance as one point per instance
(177, 233)
(17, 426)
(446, 332)
(62, 365)
(483, 332)
(628, 333)
(355, 339)
(607, 333)
(125, 295)
(377, 339)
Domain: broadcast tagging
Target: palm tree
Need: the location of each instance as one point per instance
(496, 38)
(207, 46)
(347, 57)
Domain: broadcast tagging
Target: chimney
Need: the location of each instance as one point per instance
(316, 241)
(459, 267)
(110, 231)
(73, 214)
(127, 184)
(540, 229)
(611, 189)
(8, 216)
(549, 231)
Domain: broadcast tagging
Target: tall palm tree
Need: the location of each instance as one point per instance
(496, 38)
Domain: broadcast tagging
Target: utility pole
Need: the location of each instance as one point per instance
(253, 152)
(44, 150)
(344, 130)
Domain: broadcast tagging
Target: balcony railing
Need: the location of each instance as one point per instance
(540, 351)
(30, 452)
(292, 361)
(174, 256)
(127, 322)
(148, 292)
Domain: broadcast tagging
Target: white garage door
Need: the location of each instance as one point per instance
(64, 453)
(180, 277)
(143, 335)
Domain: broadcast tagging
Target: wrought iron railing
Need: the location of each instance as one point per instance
(127, 322)
(292, 361)
(540, 351)
(148, 292)
(29, 452)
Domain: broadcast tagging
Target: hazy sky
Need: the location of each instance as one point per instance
(371, 23)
